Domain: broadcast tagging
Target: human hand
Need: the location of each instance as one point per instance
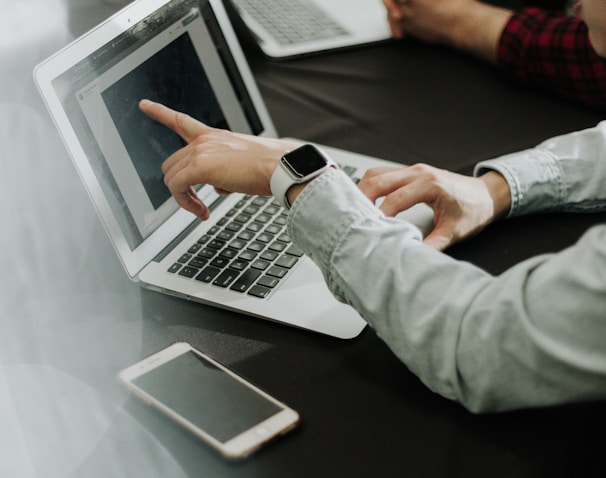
(462, 205)
(231, 162)
(468, 25)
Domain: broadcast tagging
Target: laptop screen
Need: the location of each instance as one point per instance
(177, 56)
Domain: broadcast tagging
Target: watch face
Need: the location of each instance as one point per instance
(304, 160)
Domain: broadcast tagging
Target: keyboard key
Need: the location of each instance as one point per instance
(246, 235)
(242, 218)
(238, 244)
(226, 278)
(208, 274)
(251, 210)
(204, 239)
(273, 229)
(198, 262)
(219, 262)
(185, 258)
(294, 251)
(263, 218)
(276, 271)
(188, 271)
(233, 226)
(207, 253)
(247, 256)
(260, 264)
(256, 246)
(228, 253)
(216, 244)
(268, 281)
(239, 265)
(269, 256)
(254, 227)
(287, 261)
(225, 235)
(272, 209)
(259, 291)
(278, 246)
(245, 280)
(263, 237)
(260, 201)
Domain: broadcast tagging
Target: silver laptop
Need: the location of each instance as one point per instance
(289, 28)
(184, 53)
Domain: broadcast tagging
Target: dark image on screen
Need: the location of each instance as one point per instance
(174, 77)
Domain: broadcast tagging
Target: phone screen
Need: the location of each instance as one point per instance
(206, 396)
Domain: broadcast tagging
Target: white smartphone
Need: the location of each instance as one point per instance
(223, 409)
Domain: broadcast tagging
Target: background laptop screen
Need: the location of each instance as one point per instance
(177, 56)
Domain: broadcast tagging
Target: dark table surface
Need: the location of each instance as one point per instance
(70, 319)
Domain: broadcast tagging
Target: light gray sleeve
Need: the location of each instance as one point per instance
(565, 173)
(530, 337)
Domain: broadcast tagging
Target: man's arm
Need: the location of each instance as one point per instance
(542, 48)
(553, 52)
(468, 25)
(531, 337)
(564, 173)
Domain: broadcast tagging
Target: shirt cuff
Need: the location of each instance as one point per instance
(534, 178)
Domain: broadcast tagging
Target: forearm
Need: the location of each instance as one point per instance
(478, 30)
(536, 49)
(469, 25)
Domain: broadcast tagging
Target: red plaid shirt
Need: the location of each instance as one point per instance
(552, 51)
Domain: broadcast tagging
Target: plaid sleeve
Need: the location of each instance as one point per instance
(552, 51)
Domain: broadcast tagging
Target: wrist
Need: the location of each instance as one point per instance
(297, 167)
(478, 29)
(499, 191)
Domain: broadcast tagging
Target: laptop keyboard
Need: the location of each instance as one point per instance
(247, 251)
(292, 21)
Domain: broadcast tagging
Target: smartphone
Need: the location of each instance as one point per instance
(208, 399)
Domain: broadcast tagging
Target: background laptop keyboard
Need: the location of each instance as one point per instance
(292, 21)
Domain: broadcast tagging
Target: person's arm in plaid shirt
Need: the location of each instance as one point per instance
(538, 47)
(552, 51)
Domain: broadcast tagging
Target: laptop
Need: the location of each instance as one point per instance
(184, 53)
(289, 28)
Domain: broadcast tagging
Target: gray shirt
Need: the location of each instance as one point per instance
(532, 336)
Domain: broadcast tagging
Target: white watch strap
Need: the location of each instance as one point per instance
(280, 183)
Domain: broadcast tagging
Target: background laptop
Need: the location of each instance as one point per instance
(288, 28)
(184, 53)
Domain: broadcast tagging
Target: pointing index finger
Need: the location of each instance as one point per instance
(184, 125)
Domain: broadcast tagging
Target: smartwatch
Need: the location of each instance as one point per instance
(296, 167)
